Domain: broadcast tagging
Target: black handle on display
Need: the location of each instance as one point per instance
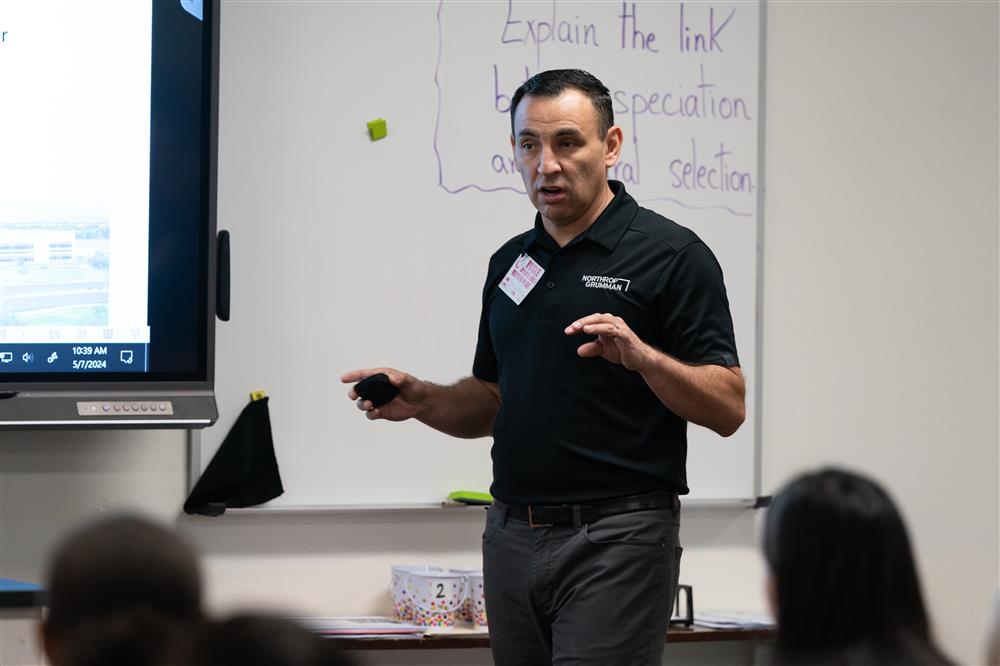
(222, 276)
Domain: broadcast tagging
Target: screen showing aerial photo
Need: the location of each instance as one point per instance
(74, 185)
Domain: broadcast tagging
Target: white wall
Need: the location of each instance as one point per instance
(881, 273)
(880, 348)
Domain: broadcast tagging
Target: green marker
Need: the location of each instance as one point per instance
(471, 497)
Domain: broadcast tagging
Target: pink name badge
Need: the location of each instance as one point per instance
(521, 278)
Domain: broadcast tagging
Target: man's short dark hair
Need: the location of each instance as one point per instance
(552, 84)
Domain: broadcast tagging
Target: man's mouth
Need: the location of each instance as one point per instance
(550, 193)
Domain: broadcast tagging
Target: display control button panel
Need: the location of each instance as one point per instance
(126, 408)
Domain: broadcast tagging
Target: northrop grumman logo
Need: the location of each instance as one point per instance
(602, 282)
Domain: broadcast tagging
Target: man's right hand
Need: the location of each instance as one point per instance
(464, 409)
(406, 405)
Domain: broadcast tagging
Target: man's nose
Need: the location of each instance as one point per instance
(547, 162)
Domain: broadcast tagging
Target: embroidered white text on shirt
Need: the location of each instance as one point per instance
(602, 282)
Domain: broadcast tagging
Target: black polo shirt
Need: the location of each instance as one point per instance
(574, 429)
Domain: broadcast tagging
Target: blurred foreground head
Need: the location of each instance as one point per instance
(122, 590)
(261, 640)
(844, 585)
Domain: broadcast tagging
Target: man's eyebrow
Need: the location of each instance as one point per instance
(565, 131)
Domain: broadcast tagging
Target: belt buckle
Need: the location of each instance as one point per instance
(531, 520)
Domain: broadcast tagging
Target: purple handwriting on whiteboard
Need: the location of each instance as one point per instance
(696, 120)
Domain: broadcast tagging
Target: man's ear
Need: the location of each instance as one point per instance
(613, 146)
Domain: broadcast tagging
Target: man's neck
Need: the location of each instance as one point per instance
(563, 234)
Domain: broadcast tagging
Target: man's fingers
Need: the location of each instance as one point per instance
(355, 376)
(610, 329)
(578, 325)
(584, 323)
(589, 350)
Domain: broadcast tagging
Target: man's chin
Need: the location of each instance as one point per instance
(552, 209)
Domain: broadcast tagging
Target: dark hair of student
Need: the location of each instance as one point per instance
(261, 640)
(552, 84)
(121, 591)
(847, 585)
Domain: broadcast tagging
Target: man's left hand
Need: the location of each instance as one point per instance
(615, 342)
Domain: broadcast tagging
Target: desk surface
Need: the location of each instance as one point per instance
(459, 641)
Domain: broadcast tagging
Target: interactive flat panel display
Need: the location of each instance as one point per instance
(107, 222)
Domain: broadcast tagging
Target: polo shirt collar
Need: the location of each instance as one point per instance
(607, 229)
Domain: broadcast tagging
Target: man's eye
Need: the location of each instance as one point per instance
(569, 144)
(527, 146)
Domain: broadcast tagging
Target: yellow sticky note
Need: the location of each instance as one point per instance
(377, 129)
(257, 395)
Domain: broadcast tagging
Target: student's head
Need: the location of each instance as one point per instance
(261, 640)
(564, 141)
(121, 591)
(843, 579)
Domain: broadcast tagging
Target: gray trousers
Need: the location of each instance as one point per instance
(595, 595)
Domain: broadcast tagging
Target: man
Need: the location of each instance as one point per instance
(603, 331)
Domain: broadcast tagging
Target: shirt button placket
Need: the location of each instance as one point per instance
(555, 260)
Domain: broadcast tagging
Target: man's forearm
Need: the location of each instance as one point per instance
(465, 409)
(708, 395)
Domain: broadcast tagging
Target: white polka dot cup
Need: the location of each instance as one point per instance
(477, 599)
(468, 614)
(401, 605)
(435, 597)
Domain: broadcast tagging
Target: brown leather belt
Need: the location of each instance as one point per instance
(549, 515)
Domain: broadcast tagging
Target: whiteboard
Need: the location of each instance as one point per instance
(349, 253)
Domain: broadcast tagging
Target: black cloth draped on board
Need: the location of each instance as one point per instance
(244, 471)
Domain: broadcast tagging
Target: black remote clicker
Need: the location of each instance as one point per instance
(376, 388)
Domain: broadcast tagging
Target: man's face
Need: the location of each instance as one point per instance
(562, 158)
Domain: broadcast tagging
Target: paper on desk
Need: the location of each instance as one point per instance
(381, 637)
(460, 630)
(362, 625)
(734, 619)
